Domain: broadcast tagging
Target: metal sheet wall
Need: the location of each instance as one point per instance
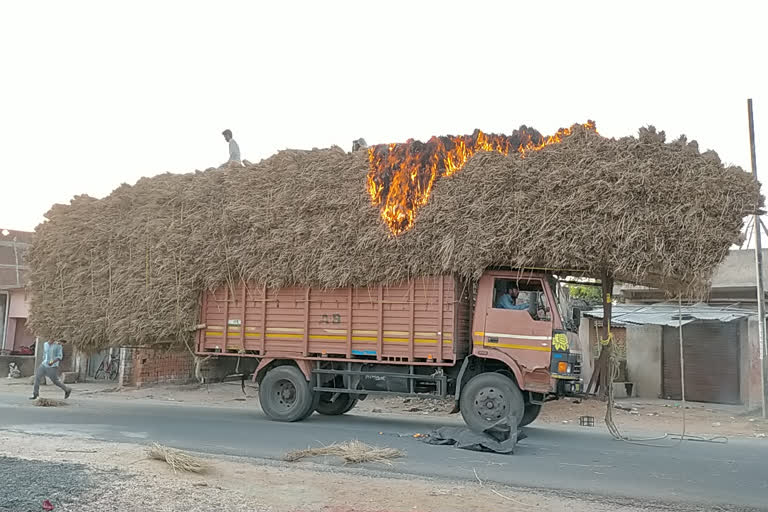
(711, 352)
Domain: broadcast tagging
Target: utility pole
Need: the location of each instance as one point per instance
(759, 269)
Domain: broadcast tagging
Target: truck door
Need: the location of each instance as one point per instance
(525, 332)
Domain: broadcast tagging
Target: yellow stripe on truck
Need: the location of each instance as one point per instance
(507, 345)
(317, 337)
(515, 336)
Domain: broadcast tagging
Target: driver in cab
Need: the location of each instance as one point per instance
(509, 300)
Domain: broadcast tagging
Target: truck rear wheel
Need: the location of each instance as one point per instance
(491, 399)
(531, 413)
(343, 403)
(285, 394)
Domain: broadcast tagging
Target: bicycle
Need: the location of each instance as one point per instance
(109, 367)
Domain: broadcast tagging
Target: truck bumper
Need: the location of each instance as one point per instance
(569, 387)
(567, 383)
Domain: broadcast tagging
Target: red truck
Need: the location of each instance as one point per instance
(324, 349)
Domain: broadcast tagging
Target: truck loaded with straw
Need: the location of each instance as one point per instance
(381, 271)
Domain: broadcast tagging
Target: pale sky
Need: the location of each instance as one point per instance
(94, 94)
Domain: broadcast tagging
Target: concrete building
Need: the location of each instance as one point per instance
(720, 340)
(647, 344)
(14, 306)
(16, 340)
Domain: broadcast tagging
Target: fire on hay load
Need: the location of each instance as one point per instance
(130, 268)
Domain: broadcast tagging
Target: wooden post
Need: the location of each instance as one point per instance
(440, 321)
(243, 298)
(380, 332)
(349, 323)
(306, 322)
(226, 319)
(263, 340)
(412, 299)
(608, 348)
(201, 333)
(601, 373)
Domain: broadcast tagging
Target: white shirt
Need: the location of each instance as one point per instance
(234, 151)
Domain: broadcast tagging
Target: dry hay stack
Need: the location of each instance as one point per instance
(177, 459)
(351, 452)
(49, 402)
(128, 269)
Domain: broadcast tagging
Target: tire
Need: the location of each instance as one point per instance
(343, 403)
(285, 394)
(351, 406)
(531, 413)
(491, 399)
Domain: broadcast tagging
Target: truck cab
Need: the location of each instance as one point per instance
(527, 341)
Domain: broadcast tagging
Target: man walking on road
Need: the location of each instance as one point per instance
(53, 353)
(234, 149)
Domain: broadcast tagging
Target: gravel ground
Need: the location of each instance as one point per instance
(24, 484)
(78, 487)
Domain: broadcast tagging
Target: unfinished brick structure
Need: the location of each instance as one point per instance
(143, 366)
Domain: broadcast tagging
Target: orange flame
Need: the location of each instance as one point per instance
(401, 176)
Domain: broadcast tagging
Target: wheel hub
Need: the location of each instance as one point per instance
(286, 393)
(491, 404)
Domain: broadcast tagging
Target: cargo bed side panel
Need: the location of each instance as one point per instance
(414, 321)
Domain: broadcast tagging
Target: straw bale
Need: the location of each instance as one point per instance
(177, 459)
(48, 402)
(351, 452)
(129, 269)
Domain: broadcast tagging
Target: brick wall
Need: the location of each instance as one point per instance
(143, 366)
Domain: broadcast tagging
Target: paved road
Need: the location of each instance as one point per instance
(574, 461)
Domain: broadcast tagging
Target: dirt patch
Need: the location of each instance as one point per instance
(660, 416)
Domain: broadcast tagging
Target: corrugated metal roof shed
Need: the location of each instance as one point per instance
(667, 314)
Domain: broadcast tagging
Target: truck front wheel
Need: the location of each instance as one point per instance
(531, 413)
(285, 395)
(491, 401)
(325, 404)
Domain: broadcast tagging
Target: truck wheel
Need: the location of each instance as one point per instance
(491, 399)
(344, 403)
(285, 394)
(351, 406)
(531, 413)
